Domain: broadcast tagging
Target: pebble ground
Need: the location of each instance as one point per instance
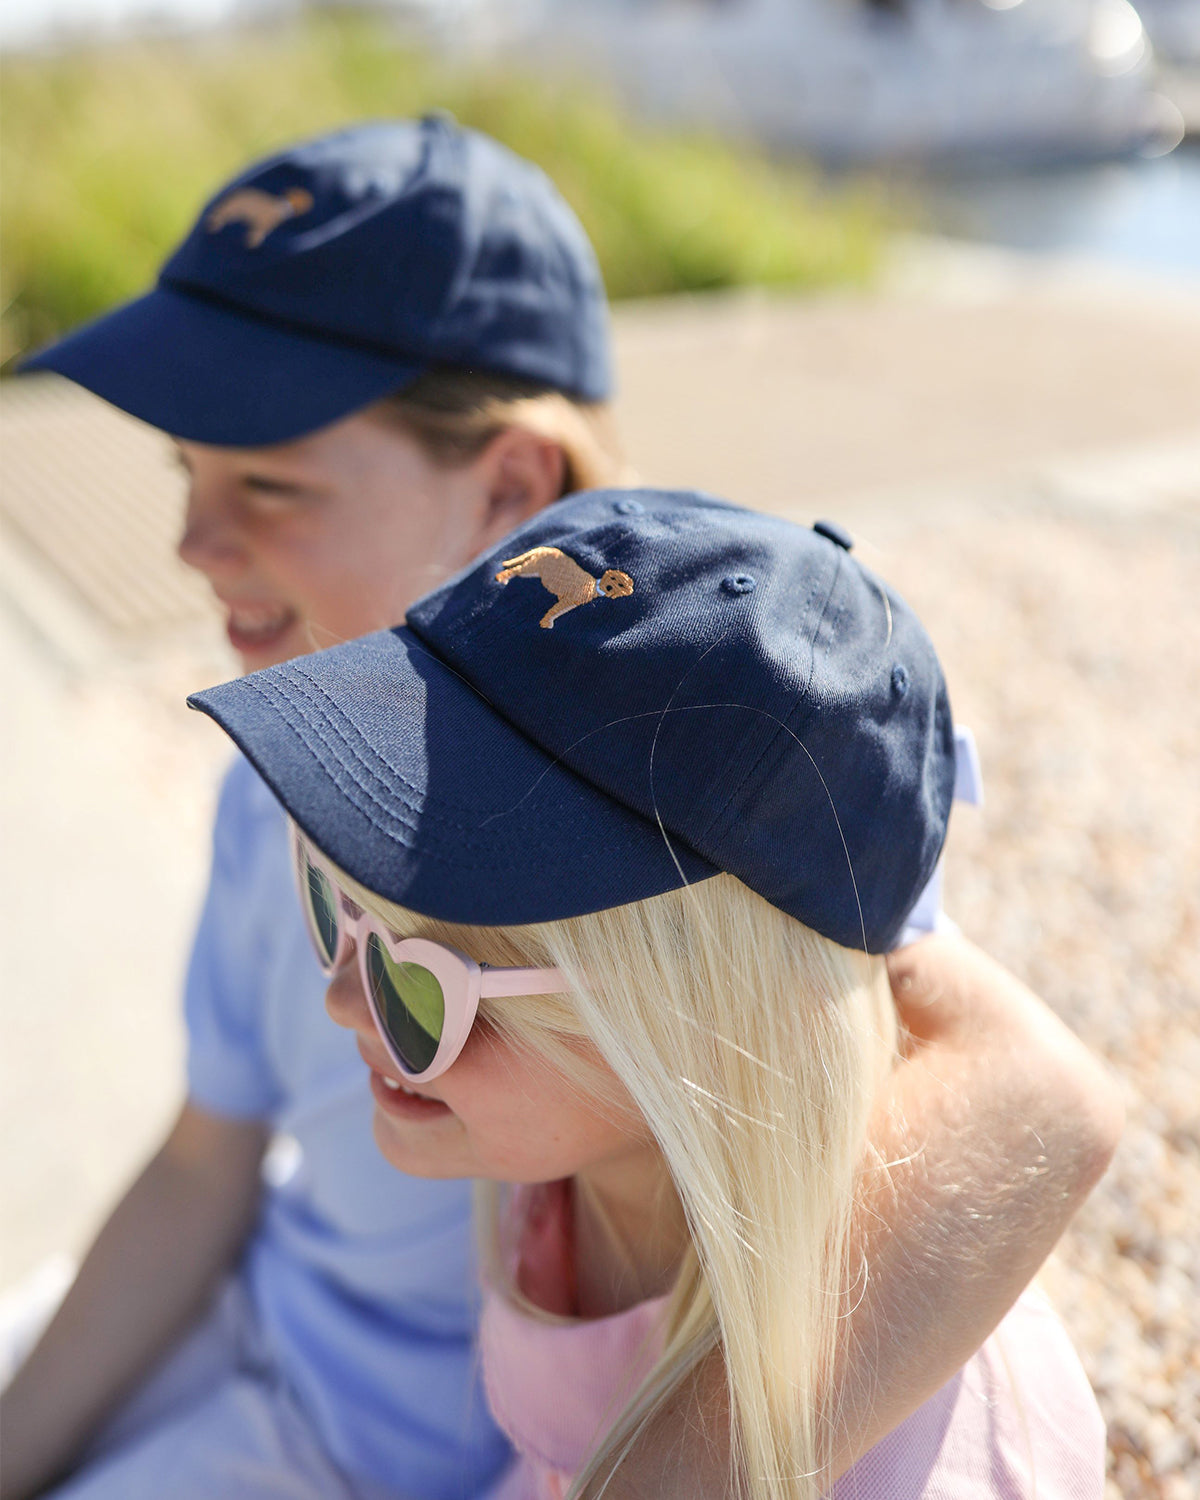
(1069, 652)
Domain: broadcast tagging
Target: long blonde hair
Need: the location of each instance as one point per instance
(753, 1048)
(454, 413)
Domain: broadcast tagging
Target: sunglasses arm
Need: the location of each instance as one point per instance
(501, 983)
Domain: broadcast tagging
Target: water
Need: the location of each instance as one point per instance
(1141, 213)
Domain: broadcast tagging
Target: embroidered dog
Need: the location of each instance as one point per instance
(565, 579)
(262, 213)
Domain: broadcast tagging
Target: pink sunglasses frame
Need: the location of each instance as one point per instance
(464, 982)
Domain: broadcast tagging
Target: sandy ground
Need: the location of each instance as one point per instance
(1020, 452)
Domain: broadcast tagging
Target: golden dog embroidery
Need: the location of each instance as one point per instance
(262, 213)
(565, 579)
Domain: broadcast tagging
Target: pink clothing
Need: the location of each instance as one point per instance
(555, 1388)
(1018, 1422)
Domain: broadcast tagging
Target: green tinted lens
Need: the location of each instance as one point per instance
(322, 907)
(410, 1002)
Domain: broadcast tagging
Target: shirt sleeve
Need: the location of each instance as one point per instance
(228, 1070)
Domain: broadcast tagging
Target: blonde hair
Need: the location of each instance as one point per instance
(454, 413)
(753, 1048)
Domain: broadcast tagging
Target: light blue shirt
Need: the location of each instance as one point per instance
(363, 1278)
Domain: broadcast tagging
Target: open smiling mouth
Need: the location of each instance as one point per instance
(254, 626)
(396, 1099)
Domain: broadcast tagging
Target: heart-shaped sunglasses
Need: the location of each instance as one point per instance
(423, 995)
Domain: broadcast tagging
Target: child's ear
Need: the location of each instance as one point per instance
(523, 474)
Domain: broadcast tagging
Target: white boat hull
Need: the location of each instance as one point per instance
(848, 81)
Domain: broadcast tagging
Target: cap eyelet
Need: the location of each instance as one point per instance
(739, 583)
(899, 680)
(629, 507)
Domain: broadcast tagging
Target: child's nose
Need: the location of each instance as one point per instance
(210, 542)
(344, 998)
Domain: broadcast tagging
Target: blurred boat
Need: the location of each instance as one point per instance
(850, 81)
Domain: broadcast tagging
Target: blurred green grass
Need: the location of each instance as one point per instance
(108, 153)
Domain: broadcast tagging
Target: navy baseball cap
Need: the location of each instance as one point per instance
(636, 690)
(325, 277)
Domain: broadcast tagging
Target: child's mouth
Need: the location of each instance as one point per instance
(395, 1098)
(255, 628)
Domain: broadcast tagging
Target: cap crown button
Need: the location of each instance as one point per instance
(834, 533)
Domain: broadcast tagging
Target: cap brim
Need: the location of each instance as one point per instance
(408, 779)
(211, 374)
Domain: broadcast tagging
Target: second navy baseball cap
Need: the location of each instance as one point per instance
(338, 271)
(632, 692)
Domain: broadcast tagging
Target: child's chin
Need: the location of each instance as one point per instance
(417, 1160)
